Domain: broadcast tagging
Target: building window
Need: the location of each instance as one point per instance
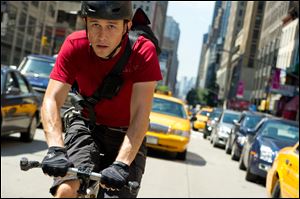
(51, 10)
(22, 22)
(35, 3)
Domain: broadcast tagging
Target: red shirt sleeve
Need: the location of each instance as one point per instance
(65, 68)
(148, 65)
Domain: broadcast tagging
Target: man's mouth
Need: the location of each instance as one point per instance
(101, 46)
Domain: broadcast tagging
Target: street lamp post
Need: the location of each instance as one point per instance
(228, 73)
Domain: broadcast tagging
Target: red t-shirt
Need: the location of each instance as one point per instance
(77, 61)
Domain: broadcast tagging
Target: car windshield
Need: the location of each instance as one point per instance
(215, 114)
(282, 131)
(168, 108)
(204, 113)
(38, 67)
(251, 121)
(229, 117)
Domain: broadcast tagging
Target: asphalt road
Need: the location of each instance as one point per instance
(207, 172)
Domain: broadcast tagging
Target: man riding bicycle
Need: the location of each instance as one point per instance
(115, 144)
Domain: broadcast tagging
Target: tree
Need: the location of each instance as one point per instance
(192, 97)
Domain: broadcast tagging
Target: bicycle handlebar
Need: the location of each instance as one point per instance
(25, 165)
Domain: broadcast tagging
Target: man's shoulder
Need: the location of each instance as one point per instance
(79, 35)
(143, 44)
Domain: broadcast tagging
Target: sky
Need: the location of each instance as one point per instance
(194, 18)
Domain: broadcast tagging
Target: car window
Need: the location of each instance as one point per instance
(278, 130)
(168, 107)
(229, 117)
(11, 81)
(22, 84)
(2, 81)
(251, 121)
(215, 114)
(204, 113)
(38, 67)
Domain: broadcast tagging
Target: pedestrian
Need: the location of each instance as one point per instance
(115, 145)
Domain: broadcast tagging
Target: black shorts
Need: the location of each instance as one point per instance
(97, 149)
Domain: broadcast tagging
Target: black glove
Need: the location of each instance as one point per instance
(115, 176)
(56, 162)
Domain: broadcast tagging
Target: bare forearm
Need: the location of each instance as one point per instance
(52, 123)
(133, 139)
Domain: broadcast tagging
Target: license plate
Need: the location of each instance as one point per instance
(151, 140)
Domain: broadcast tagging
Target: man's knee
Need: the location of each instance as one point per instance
(68, 189)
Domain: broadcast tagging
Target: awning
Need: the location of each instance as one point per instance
(293, 104)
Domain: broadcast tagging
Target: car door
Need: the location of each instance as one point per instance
(11, 104)
(290, 177)
(29, 105)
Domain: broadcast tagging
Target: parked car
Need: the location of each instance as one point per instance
(37, 69)
(263, 143)
(201, 118)
(211, 121)
(169, 128)
(20, 105)
(236, 139)
(283, 178)
(221, 132)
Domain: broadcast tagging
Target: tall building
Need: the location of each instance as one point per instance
(169, 52)
(235, 24)
(28, 22)
(242, 62)
(200, 75)
(212, 44)
(268, 50)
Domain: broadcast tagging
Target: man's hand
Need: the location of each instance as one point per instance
(56, 162)
(115, 176)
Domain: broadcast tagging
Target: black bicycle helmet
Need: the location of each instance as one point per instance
(107, 9)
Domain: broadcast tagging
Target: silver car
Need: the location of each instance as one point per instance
(223, 128)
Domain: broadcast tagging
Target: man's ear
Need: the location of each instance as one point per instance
(129, 24)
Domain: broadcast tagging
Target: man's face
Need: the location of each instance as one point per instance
(105, 35)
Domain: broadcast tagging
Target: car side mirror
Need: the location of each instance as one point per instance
(12, 90)
(251, 131)
(235, 122)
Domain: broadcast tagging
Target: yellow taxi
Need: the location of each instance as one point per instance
(202, 117)
(169, 128)
(283, 177)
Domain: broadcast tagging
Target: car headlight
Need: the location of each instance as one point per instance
(241, 140)
(181, 133)
(267, 154)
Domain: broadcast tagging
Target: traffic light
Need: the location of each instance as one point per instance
(44, 40)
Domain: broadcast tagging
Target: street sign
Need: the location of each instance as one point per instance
(286, 90)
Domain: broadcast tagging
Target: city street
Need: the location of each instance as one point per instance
(207, 172)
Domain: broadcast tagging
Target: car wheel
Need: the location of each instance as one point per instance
(204, 135)
(276, 193)
(227, 148)
(182, 155)
(233, 153)
(215, 140)
(250, 176)
(29, 134)
(241, 162)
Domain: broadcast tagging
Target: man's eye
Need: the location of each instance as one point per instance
(111, 26)
(95, 25)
